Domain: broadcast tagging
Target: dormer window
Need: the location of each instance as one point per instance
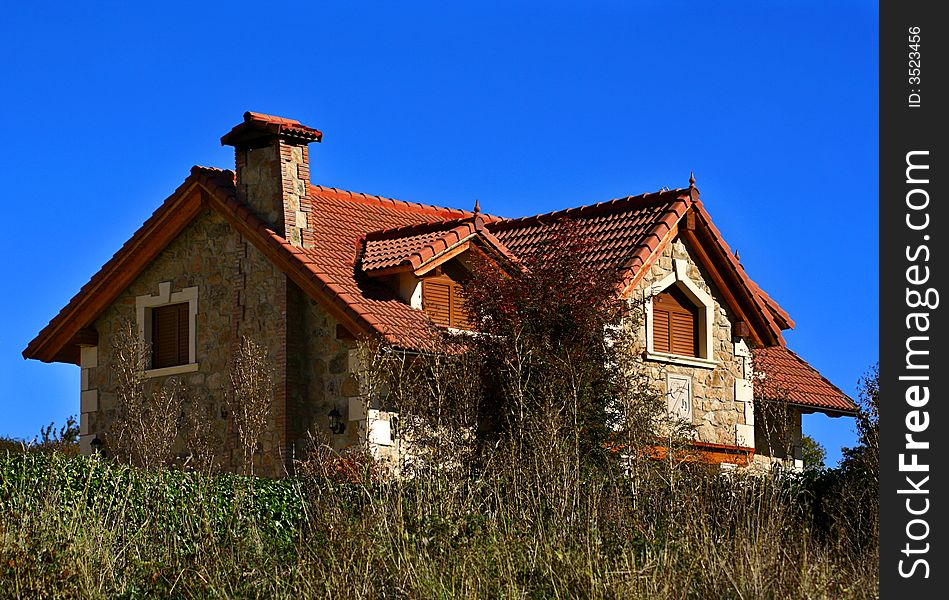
(442, 300)
(675, 323)
(679, 319)
(425, 262)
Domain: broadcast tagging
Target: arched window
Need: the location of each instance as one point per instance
(679, 318)
(675, 323)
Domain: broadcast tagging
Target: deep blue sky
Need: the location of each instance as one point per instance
(530, 108)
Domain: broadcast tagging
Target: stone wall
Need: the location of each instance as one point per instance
(722, 410)
(325, 364)
(274, 180)
(240, 292)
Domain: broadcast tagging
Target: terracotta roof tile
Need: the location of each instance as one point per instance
(339, 220)
(787, 376)
(388, 251)
(625, 232)
(414, 245)
(258, 125)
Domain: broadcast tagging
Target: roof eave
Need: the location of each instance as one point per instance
(829, 411)
(80, 312)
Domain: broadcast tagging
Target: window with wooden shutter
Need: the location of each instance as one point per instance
(442, 299)
(170, 330)
(675, 323)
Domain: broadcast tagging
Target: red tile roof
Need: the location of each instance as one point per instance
(787, 377)
(624, 231)
(339, 219)
(352, 234)
(412, 246)
(258, 126)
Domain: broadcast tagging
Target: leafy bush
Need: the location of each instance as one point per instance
(64, 440)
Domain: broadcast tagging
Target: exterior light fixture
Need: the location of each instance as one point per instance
(336, 422)
(96, 445)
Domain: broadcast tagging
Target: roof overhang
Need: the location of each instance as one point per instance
(420, 259)
(765, 319)
(71, 328)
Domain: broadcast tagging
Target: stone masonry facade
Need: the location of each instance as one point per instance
(240, 292)
(234, 290)
(722, 387)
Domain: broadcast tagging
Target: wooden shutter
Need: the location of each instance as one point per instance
(683, 334)
(675, 324)
(436, 300)
(459, 314)
(660, 329)
(170, 329)
(443, 301)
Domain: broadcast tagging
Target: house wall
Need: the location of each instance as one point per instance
(240, 292)
(777, 436)
(326, 363)
(723, 402)
(721, 394)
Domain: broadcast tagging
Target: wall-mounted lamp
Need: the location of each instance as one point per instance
(96, 445)
(337, 425)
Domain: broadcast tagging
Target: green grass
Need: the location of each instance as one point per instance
(75, 527)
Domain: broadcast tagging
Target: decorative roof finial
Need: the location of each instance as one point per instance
(477, 207)
(738, 258)
(691, 179)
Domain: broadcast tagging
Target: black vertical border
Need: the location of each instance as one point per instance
(905, 128)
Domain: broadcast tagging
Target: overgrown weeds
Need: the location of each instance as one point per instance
(85, 527)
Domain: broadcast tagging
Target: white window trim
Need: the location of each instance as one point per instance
(143, 307)
(706, 305)
(685, 361)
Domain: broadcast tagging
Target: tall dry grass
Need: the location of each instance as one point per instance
(85, 528)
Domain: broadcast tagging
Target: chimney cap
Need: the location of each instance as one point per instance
(259, 129)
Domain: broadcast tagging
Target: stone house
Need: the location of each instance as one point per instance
(307, 270)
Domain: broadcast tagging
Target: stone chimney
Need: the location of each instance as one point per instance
(273, 171)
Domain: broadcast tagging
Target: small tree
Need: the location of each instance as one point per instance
(851, 498)
(251, 397)
(545, 390)
(562, 393)
(147, 419)
(775, 418)
(433, 395)
(866, 455)
(438, 396)
(813, 454)
(204, 441)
